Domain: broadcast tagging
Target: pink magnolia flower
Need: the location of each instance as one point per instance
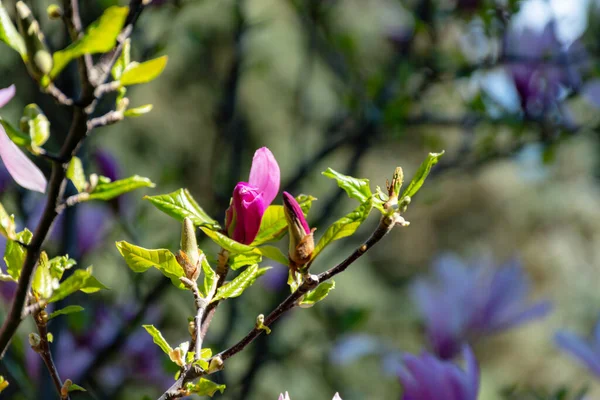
(251, 199)
(21, 168)
(287, 396)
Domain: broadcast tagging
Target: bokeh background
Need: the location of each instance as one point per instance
(508, 88)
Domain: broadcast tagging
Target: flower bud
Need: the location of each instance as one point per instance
(301, 236)
(189, 257)
(39, 60)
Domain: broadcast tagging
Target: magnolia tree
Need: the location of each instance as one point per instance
(458, 305)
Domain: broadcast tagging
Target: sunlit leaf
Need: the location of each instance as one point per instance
(43, 283)
(9, 34)
(36, 124)
(58, 265)
(3, 383)
(209, 276)
(355, 188)
(181, 204)
(158, 338)
(344, 226)
(140, 259)
(204, 387)
(100, 37)
(7, 224)
(237, 261)
(274, 254)
(242, 282)
(318, 294)
(81, 279)
(76, 388)
(421, 175)
(110, 190)
(123, 60)
(65, 311)
(227, 243)
(145, 72)
(138, 111)
(14, 254)
(76, 175)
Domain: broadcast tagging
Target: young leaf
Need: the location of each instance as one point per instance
(204, 387)
(14, 255)
(421, 175)
(74, 387)
(237, 261)
(209, 276)
(138, 111)
(140, 259)
(274, 254)
(110, 190)
(76, 175)
(314, 296)
(181, 204)
(81, 279)
(145, 72)
(3, 382)
(158, 338)
(242, 282)
(37, 125)
(273, 224)
(355, 188)
(100, 37)
(344, 226)
(9, 34)
(43, 283)
(65, 311)
(58, 265)
(123, 60)
(228, 243)
(19, 138)
(7, 224)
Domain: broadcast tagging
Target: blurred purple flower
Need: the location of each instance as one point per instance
(542, 68)
(462, 303)
(286, 396)
(586, 351)
(18, 165)
(251, 199)
(107, 164)
(426, 377)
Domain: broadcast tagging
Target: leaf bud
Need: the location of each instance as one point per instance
(54, 11)
(34, 341)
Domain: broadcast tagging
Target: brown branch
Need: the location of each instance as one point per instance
(43, 349)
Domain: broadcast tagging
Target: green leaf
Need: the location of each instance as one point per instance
(65, 311)
(36, 124)
(158, 338)
(14, 255)
(9, 34)
(237, 261)
(58, 265)
(204, 387)
(181, 204)
(318, 294)
(274, 254)
(209, 276)
(145, 72)
(109, 190)
(43, 283)
(227, 243)
(100, 37)
(138, 111)
(344, 226)
(242, 282)
(81, 279)
(74, 387)
(19, 138)
(7, 224)
(140, 259)
(3, 382)
(355, 188)
(421, 175)
(123, 60)
(273, 225)
(76, 175)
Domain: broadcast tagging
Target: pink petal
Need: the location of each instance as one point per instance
(337, 397)
(264, 174)
(290, 202)
(249, 209)
(21, 168)
(6, 95)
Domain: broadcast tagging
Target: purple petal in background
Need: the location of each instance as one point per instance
(6, 95)
(264, 174)
(591, 92)
(580, 349)
(21, 168)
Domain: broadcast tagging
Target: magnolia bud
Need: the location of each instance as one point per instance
(189, 257)
(301, 236)
(39, 60)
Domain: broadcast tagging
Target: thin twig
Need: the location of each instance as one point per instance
(58, 95)
(43, 349)
(111, 117)
(222, 270)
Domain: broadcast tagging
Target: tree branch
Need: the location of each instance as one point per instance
(43, 349)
